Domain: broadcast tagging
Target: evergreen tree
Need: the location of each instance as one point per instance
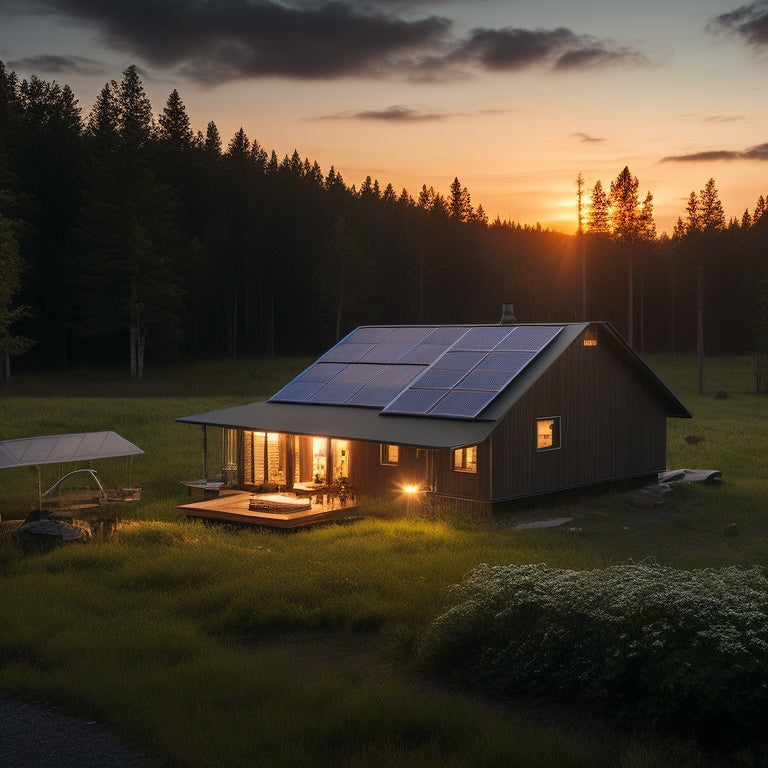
(11, 343)
(598, 218)
(459, 205)
(212, 139)
(174, 128)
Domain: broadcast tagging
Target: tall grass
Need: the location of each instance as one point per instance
(224, 647)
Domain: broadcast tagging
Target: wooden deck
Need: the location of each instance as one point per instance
(272, 510)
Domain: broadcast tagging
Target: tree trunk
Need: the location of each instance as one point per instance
(133, 341)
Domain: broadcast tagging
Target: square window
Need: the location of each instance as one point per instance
(390, 454)
(548, 433)
(465, 459)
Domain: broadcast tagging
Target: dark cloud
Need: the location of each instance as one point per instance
(398, 114)
(58, 65)
(511, 49)
(586, 138)
(759, 152)
(750, 22)
(216, 40)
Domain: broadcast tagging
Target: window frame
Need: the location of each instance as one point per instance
(557, 436)
(464, 465)
(385, 454)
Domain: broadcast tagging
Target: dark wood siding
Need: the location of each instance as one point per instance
(613, 425)
(373, 478)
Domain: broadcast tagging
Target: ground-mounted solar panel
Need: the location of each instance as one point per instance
(462, 403)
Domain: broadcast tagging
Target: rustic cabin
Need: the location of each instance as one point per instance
(472, 414)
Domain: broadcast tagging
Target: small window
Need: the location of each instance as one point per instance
(390, 454)
(465, 459)
(548, 433)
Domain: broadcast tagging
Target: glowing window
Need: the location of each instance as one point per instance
(390, 454)
(548, 433)
(465, 459)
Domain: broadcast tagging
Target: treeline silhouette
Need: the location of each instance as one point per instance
(125, 237)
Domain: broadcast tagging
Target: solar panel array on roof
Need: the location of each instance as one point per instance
(442, 371)
(473, 372)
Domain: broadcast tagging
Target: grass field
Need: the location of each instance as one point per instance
(221, 647)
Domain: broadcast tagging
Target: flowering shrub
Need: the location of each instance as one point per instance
(682, 649)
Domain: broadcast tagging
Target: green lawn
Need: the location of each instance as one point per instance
(220, 647)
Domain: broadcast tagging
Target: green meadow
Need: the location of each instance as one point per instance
(216, 646)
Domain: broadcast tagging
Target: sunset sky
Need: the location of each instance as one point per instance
(514, 97)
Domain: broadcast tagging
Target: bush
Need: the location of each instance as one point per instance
(672, 648)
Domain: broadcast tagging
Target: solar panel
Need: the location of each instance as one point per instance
(335, 393)
(409, 333)
(297, 392)
(530, 337)
(485, 338)
(493, 381)
(423, 354)
(459, 361)
(385, 386)
(442, 371)
(510, 362)
(387, 352)
(322, 372)
(462, 403)
(435, 378)
(416, 401)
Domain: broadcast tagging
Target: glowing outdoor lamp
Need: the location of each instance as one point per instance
(411, 489)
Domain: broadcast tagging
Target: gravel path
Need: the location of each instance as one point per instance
(39, 737)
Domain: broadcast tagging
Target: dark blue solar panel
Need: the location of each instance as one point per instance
(367, 335)
(357, 373)
(446, 334)
(335, 393)
(386, 385)
(485, 338)
(388, 352)
(416, 401)
(493, 381)
(435, 378)
(530, 337)
(459, 361)
(509, 362)
(322, 372)
(297, 392)
(409, 333)
(346, 353)
(462, 403)
(424, 353)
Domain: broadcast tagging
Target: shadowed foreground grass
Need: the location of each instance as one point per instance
(223, 647)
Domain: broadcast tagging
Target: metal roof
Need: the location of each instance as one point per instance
(60, 449)
(355, 422)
